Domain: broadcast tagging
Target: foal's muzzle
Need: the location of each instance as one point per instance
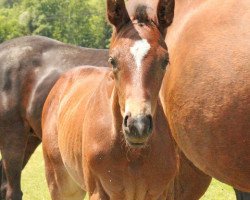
(137, 129)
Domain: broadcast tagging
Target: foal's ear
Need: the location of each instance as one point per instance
(117, 13)
(165, 14)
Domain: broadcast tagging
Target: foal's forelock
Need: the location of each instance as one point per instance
(141, 14)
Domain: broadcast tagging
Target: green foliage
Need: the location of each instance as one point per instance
(72, 21)
(9, 25)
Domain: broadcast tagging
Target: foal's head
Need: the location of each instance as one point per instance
(138, 57)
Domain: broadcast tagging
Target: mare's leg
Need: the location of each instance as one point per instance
(242, 195)
(1, 174)
(13, 141)
(31, 146)
(3, 182)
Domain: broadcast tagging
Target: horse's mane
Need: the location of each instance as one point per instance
(140, 12)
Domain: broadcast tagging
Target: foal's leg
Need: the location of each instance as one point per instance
(61, 185)
(13, 142)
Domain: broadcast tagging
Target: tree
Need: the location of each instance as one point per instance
(71, 21)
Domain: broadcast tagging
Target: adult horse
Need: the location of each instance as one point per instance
(104, 130)
(206, 90)
(29, 67)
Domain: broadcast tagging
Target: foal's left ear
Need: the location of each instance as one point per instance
(165, 14)
(117, 13)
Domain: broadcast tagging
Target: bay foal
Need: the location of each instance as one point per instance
(104, 130)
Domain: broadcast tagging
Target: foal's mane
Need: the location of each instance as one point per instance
(141, 13)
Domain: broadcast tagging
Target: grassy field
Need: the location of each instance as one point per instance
(35, 188)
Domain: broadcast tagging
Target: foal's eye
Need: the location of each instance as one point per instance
(164, 63)
(113, 62)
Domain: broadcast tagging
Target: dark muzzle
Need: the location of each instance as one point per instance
(137, 129)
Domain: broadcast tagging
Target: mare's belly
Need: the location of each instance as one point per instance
(209, 114)
(207, 91)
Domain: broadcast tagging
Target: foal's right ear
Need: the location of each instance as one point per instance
(117, 13)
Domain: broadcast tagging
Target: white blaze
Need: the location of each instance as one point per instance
(139, 51)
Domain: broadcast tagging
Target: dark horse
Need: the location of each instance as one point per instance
(29, 67)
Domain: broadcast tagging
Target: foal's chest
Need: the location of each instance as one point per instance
(123, 177)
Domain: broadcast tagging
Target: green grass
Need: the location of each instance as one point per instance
(34, 184)
(219, 191)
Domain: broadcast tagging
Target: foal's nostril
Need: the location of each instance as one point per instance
(126, 120)
(150, 119)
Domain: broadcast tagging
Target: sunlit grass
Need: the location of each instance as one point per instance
(34, 184)
(219, 191)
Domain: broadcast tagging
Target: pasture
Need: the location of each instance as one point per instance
(33, 180)
(35, 188)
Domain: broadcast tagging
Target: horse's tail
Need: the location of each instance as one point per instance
(242, 195)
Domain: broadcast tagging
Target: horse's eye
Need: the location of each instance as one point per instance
(164, 63)
(113, 62)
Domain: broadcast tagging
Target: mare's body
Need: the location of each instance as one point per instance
(206, 90)
(29, 67)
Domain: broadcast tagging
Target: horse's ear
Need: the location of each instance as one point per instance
(117, 13)
(165, 14)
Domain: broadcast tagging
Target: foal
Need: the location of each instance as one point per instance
(104, 130)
